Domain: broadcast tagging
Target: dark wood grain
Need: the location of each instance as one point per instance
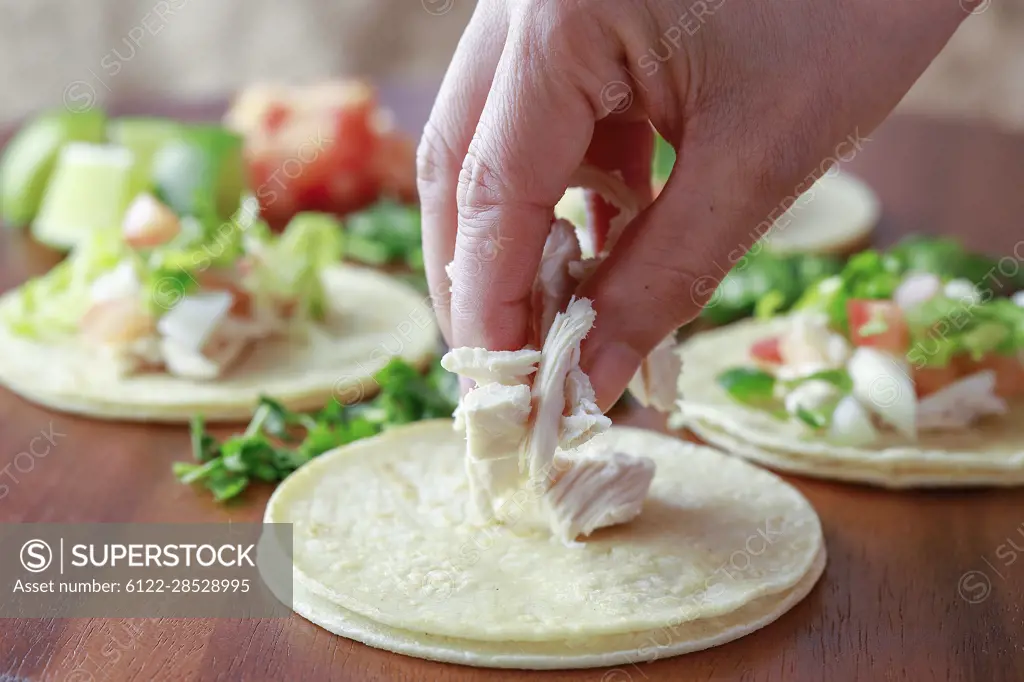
(888, 607)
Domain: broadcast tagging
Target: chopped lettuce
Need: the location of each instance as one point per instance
(766, 284)
(874, 274)
(943, 328)
(53, 303)
(174, 270)
(948, 259)
(664, 159)
(867, 275)
(202, 244)
(289, 266)
(769, 305)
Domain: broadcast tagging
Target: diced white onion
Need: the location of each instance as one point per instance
(851, 424)
(882, 385)
(962, 290)
(193, 320)
(121, 282)
(915, 289)
(810, 395)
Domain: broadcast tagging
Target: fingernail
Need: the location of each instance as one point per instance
(610, 367)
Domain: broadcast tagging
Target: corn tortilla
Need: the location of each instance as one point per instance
(371, 318)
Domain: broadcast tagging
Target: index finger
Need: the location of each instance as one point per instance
(445, 140)
(533, 133)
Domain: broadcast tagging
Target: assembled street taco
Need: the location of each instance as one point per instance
(889, 375)
(171, 317)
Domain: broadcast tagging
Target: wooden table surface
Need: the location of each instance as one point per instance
(920, 586)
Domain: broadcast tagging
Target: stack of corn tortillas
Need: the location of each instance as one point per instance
(384, 554)
(836, 215)
(372, 318)
(987, 454)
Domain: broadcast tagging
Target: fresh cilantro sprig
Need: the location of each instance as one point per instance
(278, 441)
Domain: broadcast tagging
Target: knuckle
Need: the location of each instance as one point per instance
(537, 13)
(553, 31)
(481, 188)
(436, 158)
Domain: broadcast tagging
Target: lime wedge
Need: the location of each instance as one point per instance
(203, 173)
(30, 156)
(89, 192)
(144, 137)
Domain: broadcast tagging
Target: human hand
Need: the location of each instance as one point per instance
(756, 98)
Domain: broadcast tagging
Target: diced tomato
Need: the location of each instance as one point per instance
(353, 156)
(394, 167)
(1008, 369)
(878, 324)
(931, 379)
(277, 115)
(354, 138)
(767, 351)
(601, 213)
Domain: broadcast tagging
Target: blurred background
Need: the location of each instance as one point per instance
(129, 50)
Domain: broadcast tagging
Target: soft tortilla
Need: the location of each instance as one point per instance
(836, 215)
(372, 318)
(991, 453)
(383, 554)
(592, 652)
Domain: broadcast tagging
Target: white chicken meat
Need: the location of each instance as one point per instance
(554, 286)
(507, 367)
(556, 413)
(559, 356)
(960, 404)
(594, 492)
(494, 416)
(495, 419)
(655, 383)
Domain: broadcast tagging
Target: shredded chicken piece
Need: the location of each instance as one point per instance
(218, 354)
(116, 322)
(495, 418)
(507, 367)
(960, 404)
(655, 383)
(594, 492)
(554, 286)
(559, 355)
(583, 419)
(523, 434)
